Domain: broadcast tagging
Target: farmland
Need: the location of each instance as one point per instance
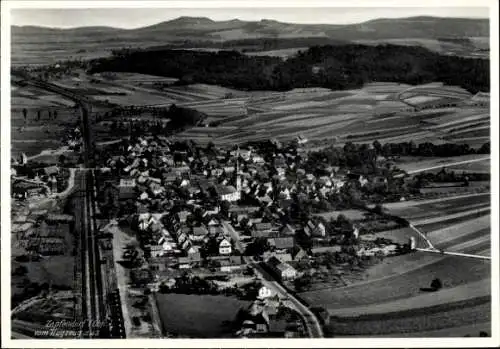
(377, 111)
(319, 114)
(397, 301)
(31, 135)
(454, 271)
(392, 296)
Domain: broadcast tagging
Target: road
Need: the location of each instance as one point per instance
(434, 250)
(463, 162)
(311, 322)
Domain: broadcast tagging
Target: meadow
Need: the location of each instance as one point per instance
(198, 316)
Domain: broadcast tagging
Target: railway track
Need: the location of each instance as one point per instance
(91, 307)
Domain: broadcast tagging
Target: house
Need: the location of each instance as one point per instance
(225, 247)
(282, 269)
(51, 170)
(199, 233)
(301, 139)
(278, 327)
(228, 193)
(169, 177)
(156, 251)
(282, 243)
(179, 171)
(234, 263)
(182, 216)
(287, 230)
(283, 257)
(189, 261)
(261, 230)
(315, 229)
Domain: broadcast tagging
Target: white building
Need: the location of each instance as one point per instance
(225, 247)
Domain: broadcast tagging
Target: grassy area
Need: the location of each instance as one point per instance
(446, 316)
(417, 165)
(447, 222)
(400, 236)
(200, 316)
(453, 271)
(56, 269)
(349, 214)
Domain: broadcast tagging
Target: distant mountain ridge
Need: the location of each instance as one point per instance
(208, 29)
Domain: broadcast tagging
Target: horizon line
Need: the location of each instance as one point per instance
(241, 20)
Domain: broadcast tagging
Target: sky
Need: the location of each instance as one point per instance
(139, 17)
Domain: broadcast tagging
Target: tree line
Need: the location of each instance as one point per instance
(332, 66)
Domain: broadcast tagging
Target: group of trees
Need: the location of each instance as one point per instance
(180, 118)
(428, 149)
(450, 176)
(51, 115)
(337, 67)
(363, 157)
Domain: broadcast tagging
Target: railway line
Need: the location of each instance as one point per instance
(95, 306)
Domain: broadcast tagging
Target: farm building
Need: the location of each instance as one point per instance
(228, 193)
(282, 269)
(314, 229)
(127, 189)
(282, 243)
(234, 263)
(261, 230)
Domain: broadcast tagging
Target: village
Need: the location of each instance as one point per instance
(203, 218)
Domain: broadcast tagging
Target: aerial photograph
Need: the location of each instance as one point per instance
(209, 173)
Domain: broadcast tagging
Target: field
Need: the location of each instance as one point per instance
(437, 207)
(378, 111)
(437, 45)
(454, 271)
(470, 162)
(400, 236)
(393, 297)
(33, 136)
(199, 316)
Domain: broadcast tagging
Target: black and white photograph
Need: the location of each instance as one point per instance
(268, 174)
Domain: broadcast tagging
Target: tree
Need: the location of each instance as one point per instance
(378, 147)
(257, 247)
(62, 160)
(378, 209)
(436, 284)
(303, 283)
(20, 271)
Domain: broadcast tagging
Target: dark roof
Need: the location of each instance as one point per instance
(282, 242)
(263, 226)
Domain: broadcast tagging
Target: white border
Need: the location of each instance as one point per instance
(494, 341)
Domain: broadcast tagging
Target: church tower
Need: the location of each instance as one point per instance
(237, 171)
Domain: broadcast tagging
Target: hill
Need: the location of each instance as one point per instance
(456, 36)
(185, 27)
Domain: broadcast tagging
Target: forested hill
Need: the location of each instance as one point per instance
(337, 67)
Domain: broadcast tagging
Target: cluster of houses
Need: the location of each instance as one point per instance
(28, 183)
(187, 203)
(41, 233)
(266, 316)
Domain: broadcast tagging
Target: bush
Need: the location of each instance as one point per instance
(436, 284)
